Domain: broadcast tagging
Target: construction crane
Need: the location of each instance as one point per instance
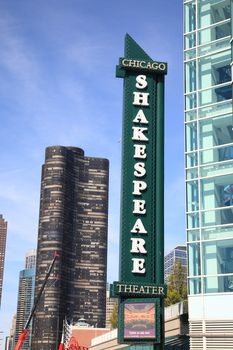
(24, 334)
(68, 341)
(72, 345)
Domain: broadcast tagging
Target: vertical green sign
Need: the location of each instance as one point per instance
(142, 195)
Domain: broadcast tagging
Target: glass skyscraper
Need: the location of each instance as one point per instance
(3, 235)
(209, 171)
(25, 297)
(30, 259)
(178, 254)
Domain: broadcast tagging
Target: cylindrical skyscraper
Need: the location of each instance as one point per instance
(73, 222)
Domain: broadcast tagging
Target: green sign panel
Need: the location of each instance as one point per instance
(142, 197)
(137, 289)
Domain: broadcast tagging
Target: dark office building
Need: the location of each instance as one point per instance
(73, 222)
(3, 233)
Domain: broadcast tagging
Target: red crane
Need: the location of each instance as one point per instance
(24, 334)
(69, 342)
(72, 345)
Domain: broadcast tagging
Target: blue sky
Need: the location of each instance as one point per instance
(58, 87)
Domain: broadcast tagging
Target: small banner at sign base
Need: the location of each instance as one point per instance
(140, 320)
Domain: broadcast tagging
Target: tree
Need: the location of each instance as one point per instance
(177, 285)
(114, 317)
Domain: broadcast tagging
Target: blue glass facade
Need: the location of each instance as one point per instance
(209, 167)
(25, 303)
(209, 145)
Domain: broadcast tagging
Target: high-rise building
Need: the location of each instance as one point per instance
(25, 297)
(9, 344)
(209, 171)
(177, 254)
(111, 304)
(3, 234)
(30, 259)
(73, 222)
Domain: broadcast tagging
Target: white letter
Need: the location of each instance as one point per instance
(125, 62)
(141, 98)
(138, 266)
(138, 187)
(162, 66)
(138, 133)
(141, 81)
(138, 245)
(139, 169)
(139, 206)
(138, 227)
(140, 151)
(140, 117)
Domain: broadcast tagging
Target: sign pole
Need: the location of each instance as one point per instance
(160, 197)
(141, 288)
(159, 193)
